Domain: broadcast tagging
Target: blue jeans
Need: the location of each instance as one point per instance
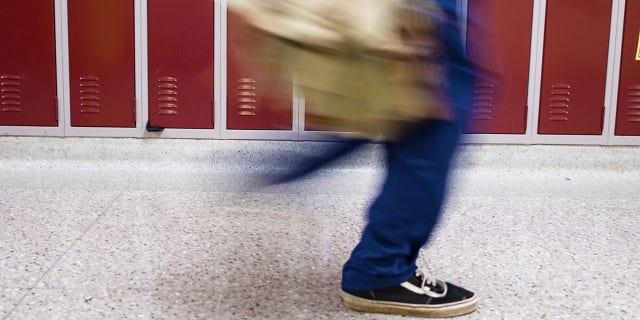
(405, 213)
(407, 209)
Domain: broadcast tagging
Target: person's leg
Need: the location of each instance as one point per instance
(407, 209)
(381, 274)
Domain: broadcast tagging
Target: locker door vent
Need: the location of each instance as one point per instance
(483, 102)
(246, 91)
(168, 96)
(633, 105)
(10, 98)
(89, 94)
(559, 102)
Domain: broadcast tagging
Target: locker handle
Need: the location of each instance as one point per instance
(151, 128)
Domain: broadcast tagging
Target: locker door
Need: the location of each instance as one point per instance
(574, 68)
(499, 38)
(28, 63)
(628, 115)
(181, 64)
(256, 100)
(102, 63)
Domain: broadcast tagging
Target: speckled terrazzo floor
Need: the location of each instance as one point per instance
(168, 229)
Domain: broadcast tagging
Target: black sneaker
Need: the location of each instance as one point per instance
(420, 296)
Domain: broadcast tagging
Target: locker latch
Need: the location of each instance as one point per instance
(153, 129)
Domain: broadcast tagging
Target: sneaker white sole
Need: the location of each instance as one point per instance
(415, 310)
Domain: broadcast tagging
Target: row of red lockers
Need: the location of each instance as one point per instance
(181, 74)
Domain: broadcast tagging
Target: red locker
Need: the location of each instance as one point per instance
(574, 71)
(102, 63)
(256, 100)
(28, 81)
(181, 64)
(628, 115)
(499, 40)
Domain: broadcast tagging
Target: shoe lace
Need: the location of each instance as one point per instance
(430, 283)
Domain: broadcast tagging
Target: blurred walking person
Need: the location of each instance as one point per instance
(392, 71)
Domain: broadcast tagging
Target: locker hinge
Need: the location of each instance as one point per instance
(153, 129)
(213, 112)
(56, 102)
(602, 119)
(526, 116)
(135, 106)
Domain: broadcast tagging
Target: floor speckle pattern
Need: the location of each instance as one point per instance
(181, 229)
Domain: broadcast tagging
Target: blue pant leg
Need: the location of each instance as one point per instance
(403, 216)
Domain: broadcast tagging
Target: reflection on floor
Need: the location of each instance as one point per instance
(178, 229)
